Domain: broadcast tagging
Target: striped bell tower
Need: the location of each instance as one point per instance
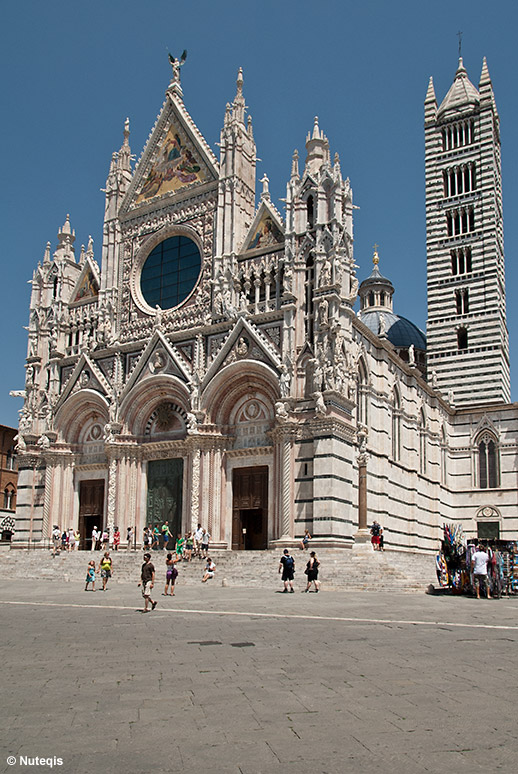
(467, 339)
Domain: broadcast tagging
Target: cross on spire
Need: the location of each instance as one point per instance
(459, 35)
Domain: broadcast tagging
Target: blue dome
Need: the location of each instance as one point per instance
(399, 331)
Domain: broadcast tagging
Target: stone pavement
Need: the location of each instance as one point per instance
(250, 681)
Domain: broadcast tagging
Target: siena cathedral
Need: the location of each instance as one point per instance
(224, 364)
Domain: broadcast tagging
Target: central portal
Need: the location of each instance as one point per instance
(250, 509)
(164, 494)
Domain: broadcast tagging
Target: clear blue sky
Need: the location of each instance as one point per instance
(72, 72)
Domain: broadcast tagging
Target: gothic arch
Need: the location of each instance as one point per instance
(140, 403)
(79, 409)
(222, 395)
(486, 459)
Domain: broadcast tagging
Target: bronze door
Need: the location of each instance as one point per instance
(250, 509)
(164, 495)
(91, 510)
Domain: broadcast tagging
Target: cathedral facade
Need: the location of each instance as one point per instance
(213, 369)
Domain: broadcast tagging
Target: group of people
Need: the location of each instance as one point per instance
(105, 568)
(148, 573)
(287, 568)
(186, 547)
(67, 540)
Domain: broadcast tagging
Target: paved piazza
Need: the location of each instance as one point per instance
(240, 681)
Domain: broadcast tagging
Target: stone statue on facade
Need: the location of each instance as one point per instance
(192, 423)
(411, 355)
(285, 381)
(281, 411)
(320, 406)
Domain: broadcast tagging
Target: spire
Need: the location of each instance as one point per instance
(46, 254)
(461, 95)
(295, 164)
(317, 147)
(66, 239)
(430, 92)
(238, 106)
(82, 255)
(124, 156)
(485, 79)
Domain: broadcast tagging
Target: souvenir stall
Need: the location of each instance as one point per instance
(454, 563)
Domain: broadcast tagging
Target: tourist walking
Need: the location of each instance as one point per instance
(155, 545)
(312, 572)
(166, 535)
(147, 581)
(171, 575)
(205, 538)
(90, 575)
(71, 539)
(106, 569)
(56, 540)
(106, 539)
(287, 567)
(95, 538)
(210, 569)
(129, 536)
(479, 562)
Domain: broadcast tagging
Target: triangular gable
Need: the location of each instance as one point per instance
(159, 357)
(87, 285)
(266, 231)
(485, 425)
(176, 157)
(86, 375)
(244, 342)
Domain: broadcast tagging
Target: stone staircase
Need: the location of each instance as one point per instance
(359, 569)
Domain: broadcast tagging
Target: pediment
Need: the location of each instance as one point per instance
(266, 231)
(87, 285)
(244, 342)
(485, 425)
(175, 159)
(159, 357)
(85, 376)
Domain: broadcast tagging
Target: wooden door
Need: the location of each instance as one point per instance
(250, 508)
(91, 510)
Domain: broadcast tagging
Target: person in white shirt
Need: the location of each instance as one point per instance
(197, 541)
(95, 538)
(209, 570)
(479, 563)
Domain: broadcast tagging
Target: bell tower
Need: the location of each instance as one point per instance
(467, 338)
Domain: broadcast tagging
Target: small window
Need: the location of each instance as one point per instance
(462, 339)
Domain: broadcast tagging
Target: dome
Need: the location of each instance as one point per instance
(398, 330)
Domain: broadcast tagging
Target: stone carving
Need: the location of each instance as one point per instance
(320, 406)
(44, 442)
(281, 411)
(323, 308)
(325, 273)
(411, 355)
(192, 423)
(285, 381)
